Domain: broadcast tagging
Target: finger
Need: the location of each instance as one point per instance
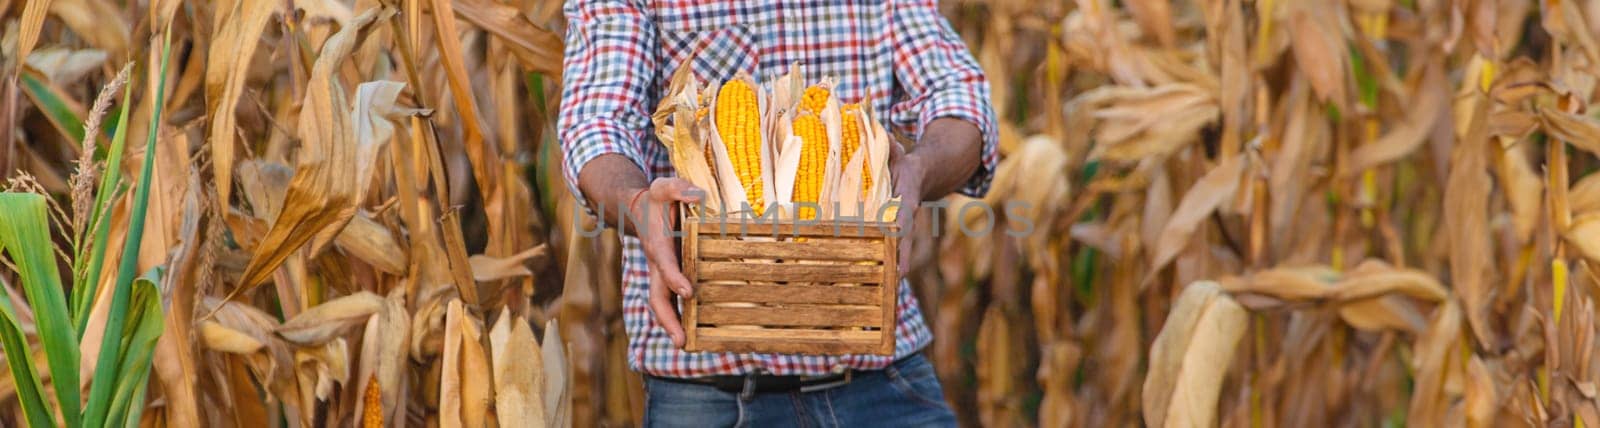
(908, 224)
(664, 262)
(666, 313)
(676, 189)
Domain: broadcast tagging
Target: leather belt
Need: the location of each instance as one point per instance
(765, 384)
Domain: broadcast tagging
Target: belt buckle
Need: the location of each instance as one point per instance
(841, 381)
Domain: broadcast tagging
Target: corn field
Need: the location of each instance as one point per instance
(1245, 213)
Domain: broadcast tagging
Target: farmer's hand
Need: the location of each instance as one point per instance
(907, 171)
(653, 212)
(946, 156)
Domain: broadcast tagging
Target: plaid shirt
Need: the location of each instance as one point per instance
(621, 53)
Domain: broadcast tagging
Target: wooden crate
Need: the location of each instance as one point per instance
(778, 287)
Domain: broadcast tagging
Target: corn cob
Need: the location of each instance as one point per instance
(815, 98)
(739, 123)
(852, 141)
(372, 401)
(813, 161)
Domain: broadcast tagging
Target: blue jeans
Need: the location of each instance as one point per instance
(905, 394)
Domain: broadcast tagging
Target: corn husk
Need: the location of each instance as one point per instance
(733, 195)
(676, 128)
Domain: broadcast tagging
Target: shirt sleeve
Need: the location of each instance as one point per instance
(941, 79)
(606, 72)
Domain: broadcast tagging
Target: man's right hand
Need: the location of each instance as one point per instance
(653, 215)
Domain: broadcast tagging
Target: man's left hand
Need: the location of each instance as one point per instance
(907, 172)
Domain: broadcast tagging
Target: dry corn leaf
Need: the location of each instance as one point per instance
(319, 369)
(1482, 400)
(374, 108)
(1155, 19)
(1141, 122)
(373, 243)
(62, 65)
(1584, 196)
(1319, 49)
(1190, 356)
(1210, 192)
(33, 15)
(327, 321)
(1466, 199)
(326, 185)
(1578, 130)
(1524, 189)
(1436, 359)
(219, 338)
(486, 268)
(1430, 96)
(232, 48)
(1383, 313)
(1585, 235)
(539, 50)
(1381, 279)
(1290, 284)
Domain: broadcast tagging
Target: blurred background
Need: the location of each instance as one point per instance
(1249, 212)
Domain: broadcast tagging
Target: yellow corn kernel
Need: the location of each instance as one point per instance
(738, 123)
(851, 140)
(372, 402)
(815, 99)
(813, 161)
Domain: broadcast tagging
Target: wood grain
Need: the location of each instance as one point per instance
(855, 250)
(839, 290)
(795, 346)
(789, 272)
(891, 282)
(835, 316)
(734, 228)
(788, 334)
(691, 257)
(813, 294)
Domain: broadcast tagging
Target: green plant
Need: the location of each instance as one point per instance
(134, 321)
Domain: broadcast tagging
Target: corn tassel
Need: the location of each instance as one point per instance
(739, 123)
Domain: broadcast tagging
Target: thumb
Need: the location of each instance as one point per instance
(676, 189)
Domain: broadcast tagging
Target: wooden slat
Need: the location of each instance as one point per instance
(790, 272)
(814, 294)
(890, 288)
(690, 269)
(836, 316)
(790, 341)
(788, 334)
(752, 227)
(854, 250)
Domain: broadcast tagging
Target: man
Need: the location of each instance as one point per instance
(620, 55)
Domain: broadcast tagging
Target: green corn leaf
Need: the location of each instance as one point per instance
(30, 391)
(145, 323)
(86, 274)
(110, 358)
(25, 233)
(54, 106)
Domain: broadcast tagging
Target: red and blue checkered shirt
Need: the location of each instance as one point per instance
(620, 55)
